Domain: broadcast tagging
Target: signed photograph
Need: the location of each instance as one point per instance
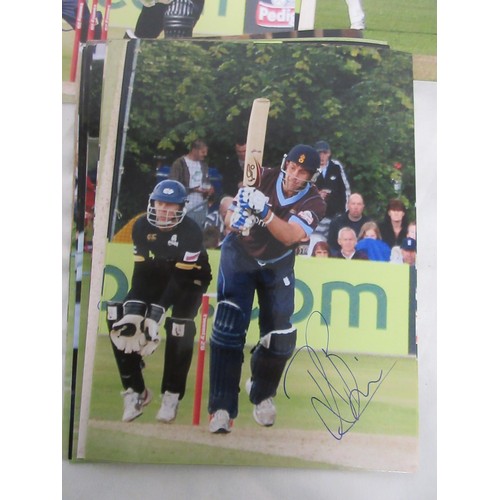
(250, 266)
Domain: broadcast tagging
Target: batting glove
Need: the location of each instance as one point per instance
(254, 200)
(243, 220)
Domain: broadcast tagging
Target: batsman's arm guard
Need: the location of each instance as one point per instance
(180, 18)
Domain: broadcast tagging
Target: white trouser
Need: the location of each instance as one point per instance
(356, 14)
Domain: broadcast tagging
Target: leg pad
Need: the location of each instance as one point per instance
(178, 354)
(268, 362)
(226, 358)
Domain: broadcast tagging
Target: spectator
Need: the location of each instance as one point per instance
(347, 242)
(370, 241)
(232, 170)
(191, 171)
(371, 230)
(321, 249)
(394, 226)
(396, 251)
(353, 218)
(409, 251)
(332, 182)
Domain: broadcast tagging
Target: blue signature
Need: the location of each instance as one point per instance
(341, 401)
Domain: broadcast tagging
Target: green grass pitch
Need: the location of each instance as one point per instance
(392, 411)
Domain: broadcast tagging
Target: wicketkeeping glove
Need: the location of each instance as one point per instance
(126, 334)
(253, 200)
(152, 323)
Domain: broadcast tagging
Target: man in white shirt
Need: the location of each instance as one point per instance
(191, 171)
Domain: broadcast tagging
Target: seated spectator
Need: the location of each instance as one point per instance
(321, 249)
(394, 226)
(409, 251)
(371, 230)
(347, 241)
(353, 218)
(371, 243)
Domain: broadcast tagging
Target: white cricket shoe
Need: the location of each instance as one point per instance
(265, 412)
(168, 409)
(133, 403)
(220, 422)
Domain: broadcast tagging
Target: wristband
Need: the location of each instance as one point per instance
(271, 217)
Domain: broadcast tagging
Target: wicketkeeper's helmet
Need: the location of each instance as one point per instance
(167, 191)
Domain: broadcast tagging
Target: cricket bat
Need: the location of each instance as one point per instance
(256, 138)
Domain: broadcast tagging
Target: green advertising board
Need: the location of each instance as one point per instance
(341, 306)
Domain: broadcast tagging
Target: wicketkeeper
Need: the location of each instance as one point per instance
(171, 270)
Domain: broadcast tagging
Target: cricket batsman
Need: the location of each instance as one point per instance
(171, 269)
(276, 217)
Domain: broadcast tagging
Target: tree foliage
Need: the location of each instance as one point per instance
(358, 98)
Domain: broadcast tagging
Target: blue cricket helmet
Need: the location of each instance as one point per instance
(305, 156)
(167, 191)
(170, 192)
